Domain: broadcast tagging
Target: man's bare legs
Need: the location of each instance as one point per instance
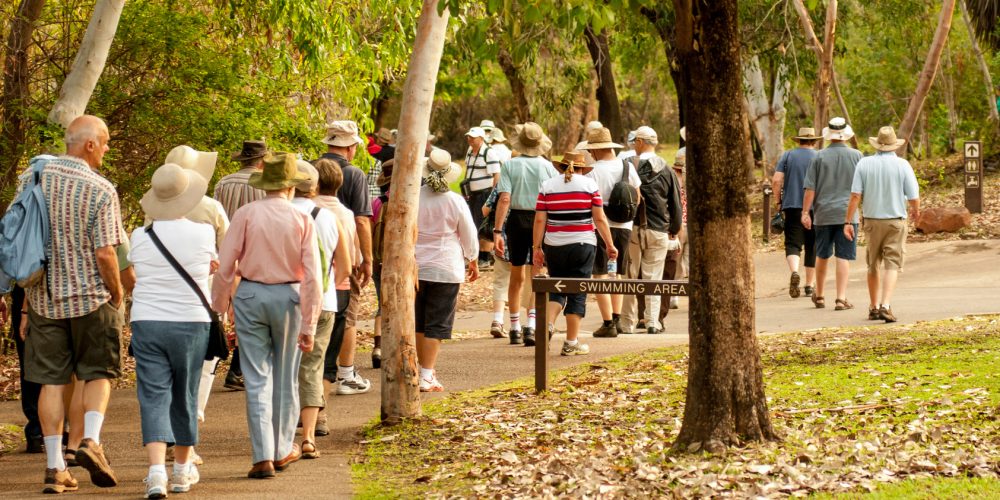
(843, 269)
(821, 265)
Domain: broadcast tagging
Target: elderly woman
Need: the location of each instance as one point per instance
(569, 207)
(170, 324)
(447, 251)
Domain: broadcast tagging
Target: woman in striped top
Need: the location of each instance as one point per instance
(568, 209)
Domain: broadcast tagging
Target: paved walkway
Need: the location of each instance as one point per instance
(942, 280)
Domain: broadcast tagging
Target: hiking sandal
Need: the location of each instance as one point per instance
(311, 452)
(818, 301)
(843, 305)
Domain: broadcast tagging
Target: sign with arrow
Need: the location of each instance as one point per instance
(973, 176)
(613, 287)
(972, 149)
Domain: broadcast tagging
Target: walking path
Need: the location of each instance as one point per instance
(942, 280)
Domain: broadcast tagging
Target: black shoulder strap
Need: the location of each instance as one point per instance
(180, 270)
(315, 212)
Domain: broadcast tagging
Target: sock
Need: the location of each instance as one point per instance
(178, 468)
(426, 373)
(515, 321)
(484, 256)
(345, 372)
(92, 422)
(53, 453)
(572, 342)
(615, 317)
(531, 319)
(160, 469)
(886, 305)
(498, 316)
(608, 322)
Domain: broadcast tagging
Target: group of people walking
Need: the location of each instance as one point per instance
(820, 195)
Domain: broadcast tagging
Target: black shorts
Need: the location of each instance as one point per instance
(476, 201)
(619, 237)
(434, 309)
(570, 261)
(797, 237)
(519, 228)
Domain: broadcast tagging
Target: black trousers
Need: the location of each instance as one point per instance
(29, 390)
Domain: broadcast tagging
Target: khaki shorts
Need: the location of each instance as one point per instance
(351, 315)
(886, 244)
(311, 367)
(88, 346)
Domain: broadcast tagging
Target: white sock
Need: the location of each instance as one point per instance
(160, 469)
(92, 422)
(531, 319)
(426, 373)
(498, 317)
(178, 468)
(345, 372)
(885, 306)
(515, 321)
(54, 453)
(572, 342)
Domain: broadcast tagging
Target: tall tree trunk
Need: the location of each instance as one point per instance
(725, 393)
(948, 84)
(767, 111)
(517, 88)
(89, 63)
(843, 105)
(824, 58)
(14, 120)
(610, 111)
(983, 67)
(927, 73)
(400, 378)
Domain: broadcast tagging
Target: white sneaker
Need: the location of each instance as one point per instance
(182, 482)
(431, 385)
(574, 350)
(156, 486)
(353, 385)
(675, 302)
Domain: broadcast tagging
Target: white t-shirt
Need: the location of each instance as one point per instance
(503, 152)
(626, 154)
(161, 294)
(607, 173)
(446, 237)
(326, 229)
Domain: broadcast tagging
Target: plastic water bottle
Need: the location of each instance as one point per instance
(612, 267)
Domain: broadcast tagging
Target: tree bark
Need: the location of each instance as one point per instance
(766, 114)
(89, 63)
(983, 67)
(517, 88)
(400, 378)
(725, 402)
(610, 111)
(824, 58)
(663, 21)
(948, 84)
(843, 106)
(14, 118)
(927, 74)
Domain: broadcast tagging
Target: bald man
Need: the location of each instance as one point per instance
(75, 316)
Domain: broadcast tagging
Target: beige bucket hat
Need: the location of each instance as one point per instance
(599, 139)
(312, 183)
(342, 134)
(530, 140)
(189, 158)
(807, 134)
(439, 171)
(886, 140)
(174, 192)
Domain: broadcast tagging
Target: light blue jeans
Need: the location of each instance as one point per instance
(267, 326)
(168, 360)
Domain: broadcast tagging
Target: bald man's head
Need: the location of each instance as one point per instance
(87, 139)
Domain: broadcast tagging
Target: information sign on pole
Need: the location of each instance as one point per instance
(973, 176)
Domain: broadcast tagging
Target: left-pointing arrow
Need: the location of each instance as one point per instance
(559, 286)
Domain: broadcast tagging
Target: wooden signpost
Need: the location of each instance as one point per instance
(542, 286)
(973, 176)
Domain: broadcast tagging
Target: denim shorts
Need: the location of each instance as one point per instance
(570, 261)
(830, 241)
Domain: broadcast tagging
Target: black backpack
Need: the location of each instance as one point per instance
(623, 202)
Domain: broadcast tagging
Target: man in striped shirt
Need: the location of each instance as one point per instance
(482, 173)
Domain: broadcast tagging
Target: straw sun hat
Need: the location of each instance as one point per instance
(189, 158)
(174, 192)
(530, 140)
(886, 140)
(439, 171)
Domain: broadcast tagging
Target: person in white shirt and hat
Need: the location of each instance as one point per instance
(482, 172)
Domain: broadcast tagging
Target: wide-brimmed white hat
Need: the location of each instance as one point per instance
(838, 130)
(173, 193)
(342, 134)
(886, 140)
(439, 161)
(530, 140)
(487, 125)
(189, 158)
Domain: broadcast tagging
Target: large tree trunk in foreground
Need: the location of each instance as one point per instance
(610, 111)
(725, 392)
(767, 111)
(89, 63)
(400, 378)
(517, 88)
(983, 67)
(927, 74)
(14, 120)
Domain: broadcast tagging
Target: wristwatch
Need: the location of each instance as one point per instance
(495, 230)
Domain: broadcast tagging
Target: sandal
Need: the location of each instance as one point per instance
(69, 456)
(843, 305)
(818, 301)
(309, 449)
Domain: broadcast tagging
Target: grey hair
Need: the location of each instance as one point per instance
(83, 131)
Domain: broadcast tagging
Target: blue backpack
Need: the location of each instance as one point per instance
(24, 233)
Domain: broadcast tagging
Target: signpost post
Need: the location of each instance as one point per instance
(542, 286)
(767, 212)
(973, 176)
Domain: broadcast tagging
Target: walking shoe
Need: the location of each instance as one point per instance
(321, 427)
(234, 382)
(431, 385)
(309, 450)
(873, 314)
(793, 286)
(90, 456)
(195, 458)
(35, 444)
(262, 470)
(886, 314)
(156, 486)
(292, 457)
(808, 291)
(641, 325)
(675, 302)
(515, 337)
(353, 385)
(69, 456)
(377, 358)
(653, 331)
(529, 337)
(496, 330)
(181, 482)
(618, 326)
(485, 265)
(58, 481)
(574, 350)
(606, 331)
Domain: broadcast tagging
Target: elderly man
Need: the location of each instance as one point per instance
(883, 184)
(787, 183)
(482, 172)
(75, 315)
(827, 193)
